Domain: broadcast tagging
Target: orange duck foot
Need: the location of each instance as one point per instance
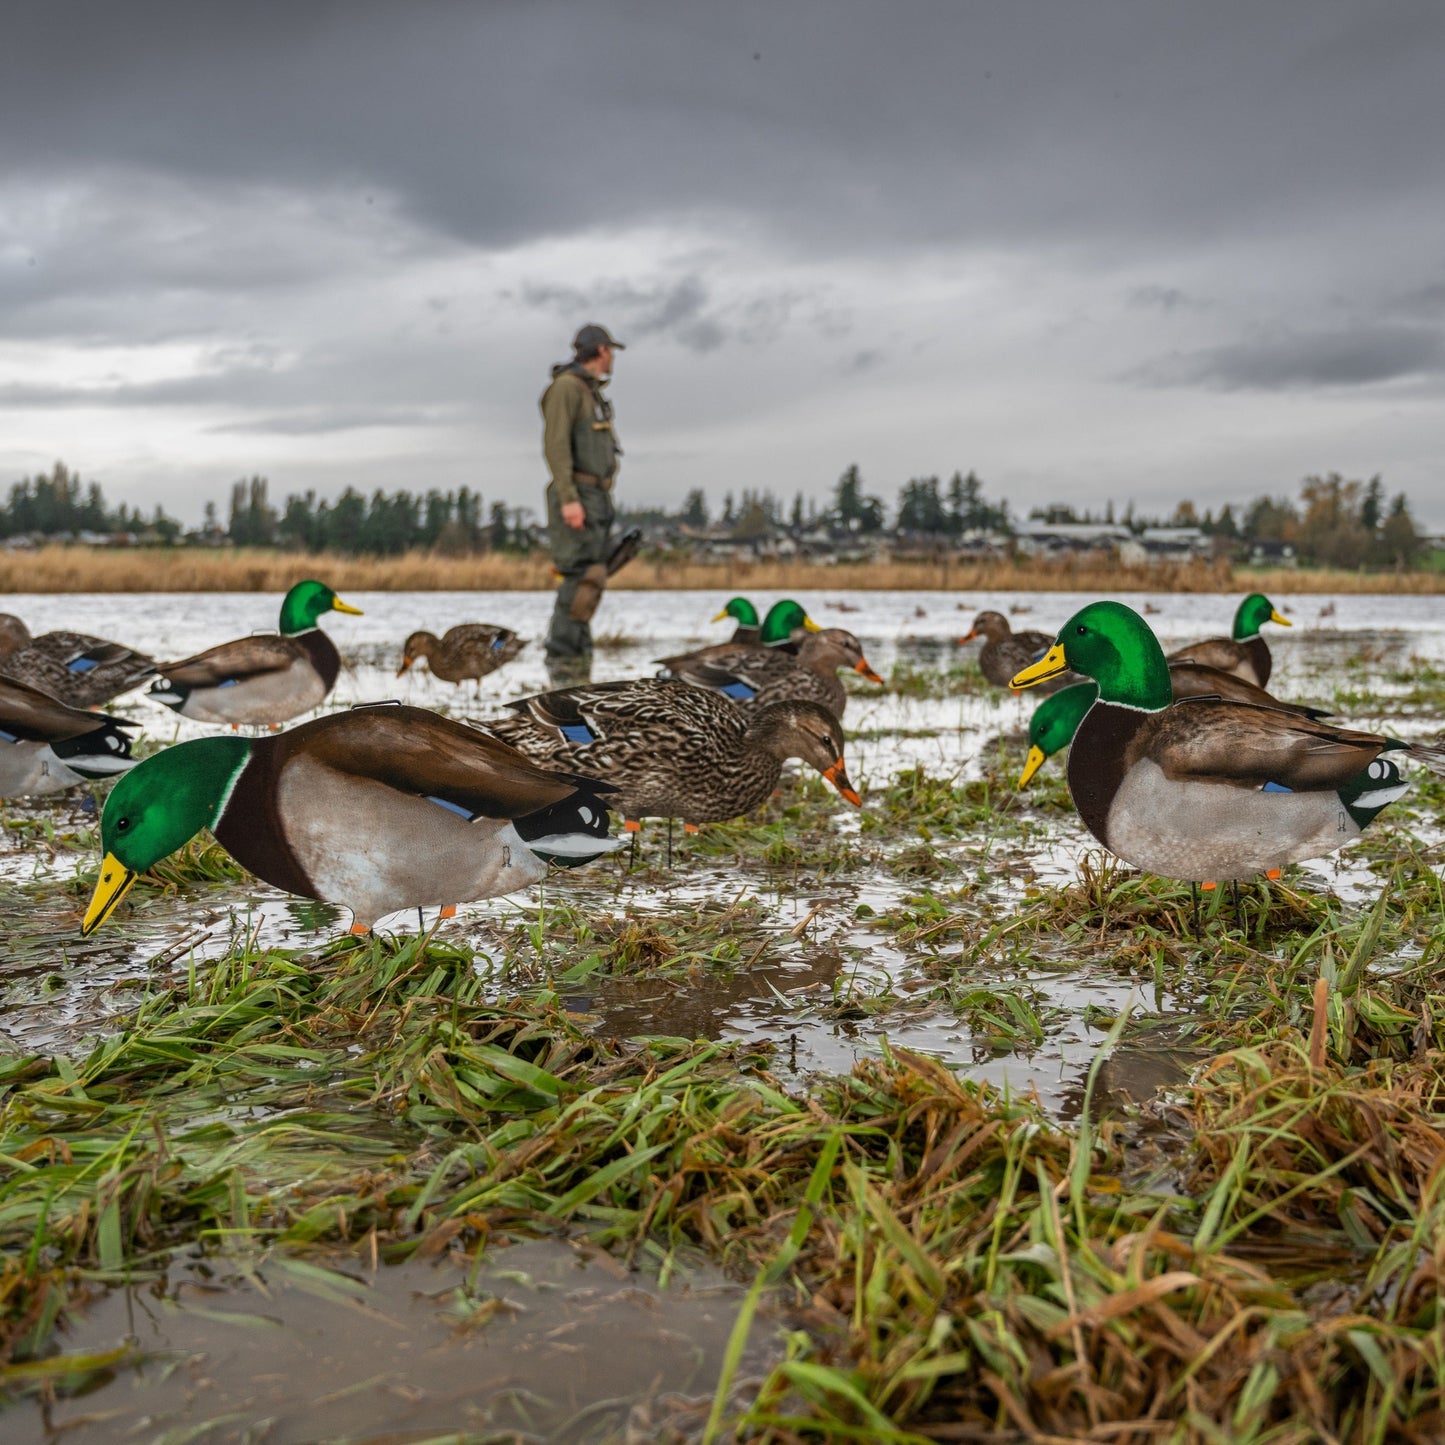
(1209, 887)
(690, 828)
(449, 911)
(631, 825)
(1273, 874)
(360, 929)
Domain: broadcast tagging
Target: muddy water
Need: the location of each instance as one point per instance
(823, 995)
(543, 1340)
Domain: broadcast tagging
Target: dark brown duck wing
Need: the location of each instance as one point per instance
(1193, 679)
(29, 715)
(421, 752)
(1250, 659)
(1252, 747)
(235, 661)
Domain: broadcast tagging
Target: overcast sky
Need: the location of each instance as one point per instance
(1092, 250)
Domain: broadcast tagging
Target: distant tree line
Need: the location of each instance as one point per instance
(1334, 522)
(60, 504)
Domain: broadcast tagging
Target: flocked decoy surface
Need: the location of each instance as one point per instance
(1006, 652)
(1245, 653)
(380, 808)
(73, 667)
(47, 746)
(672, 750)
(1206, 790)
(263, 680)
(755, 676)
(466, 652)
(1056, 719)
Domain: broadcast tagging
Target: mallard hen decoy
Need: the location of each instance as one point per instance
(1057, 718)
(468, 650)
(1205, 790)
(1246, 654)
(672, 750)
(46, 746)
(263, 680)
(380, 808)
(749, 628)
(72, 667)
(1005, 652)
(755, 676)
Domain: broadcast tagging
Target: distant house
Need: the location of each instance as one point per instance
(1174, 544)
(1280, 554)
(1058, 539)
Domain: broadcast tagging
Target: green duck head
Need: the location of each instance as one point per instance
(1115, 646)
(1253, 613)
(781, 620)
(165, 801)
(741, 611)
(304, 604)
(1054, 723)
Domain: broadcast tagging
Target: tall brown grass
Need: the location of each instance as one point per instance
(87, 569)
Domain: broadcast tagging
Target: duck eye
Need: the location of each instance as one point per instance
(1081, 629)
(121, 826)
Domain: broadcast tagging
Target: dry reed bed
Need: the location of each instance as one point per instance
(86, 569)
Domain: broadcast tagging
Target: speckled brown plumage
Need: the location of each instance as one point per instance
(1005, 653)
(74, 667)
(673, 750)
(754, 676)
(470, 650)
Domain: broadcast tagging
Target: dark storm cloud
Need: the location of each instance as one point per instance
(1357, 357)
(835, 124)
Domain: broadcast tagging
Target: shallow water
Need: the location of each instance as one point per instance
(808, 996)
(541, 1340)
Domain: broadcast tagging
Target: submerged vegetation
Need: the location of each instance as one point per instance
(1252, 1252)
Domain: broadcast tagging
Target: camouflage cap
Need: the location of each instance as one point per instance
(592, 336)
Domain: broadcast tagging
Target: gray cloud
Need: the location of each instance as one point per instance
(1364, 356)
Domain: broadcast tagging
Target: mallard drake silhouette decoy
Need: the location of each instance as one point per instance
(47, 746)
(380, 808)
(263, 680)
(1246, 654)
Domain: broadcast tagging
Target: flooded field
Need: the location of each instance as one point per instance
(952, 923)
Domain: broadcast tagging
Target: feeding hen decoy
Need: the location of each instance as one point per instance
(1006, 652)
(470, 650)
(671, 750)
(381, 808)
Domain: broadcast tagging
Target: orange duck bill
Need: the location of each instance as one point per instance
(838, 776)
(862, 666)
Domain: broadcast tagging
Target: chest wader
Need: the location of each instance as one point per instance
(580, 555)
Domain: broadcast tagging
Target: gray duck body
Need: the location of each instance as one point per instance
(47, 746)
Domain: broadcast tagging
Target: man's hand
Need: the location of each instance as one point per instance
(574, 514)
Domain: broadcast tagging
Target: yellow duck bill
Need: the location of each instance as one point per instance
(115, 879)
(1035, 760)
(1274, 616)
(1051, 664)
(339, 606)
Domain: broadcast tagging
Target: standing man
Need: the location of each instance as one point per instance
(581, 451)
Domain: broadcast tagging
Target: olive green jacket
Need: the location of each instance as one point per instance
(577, 433)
